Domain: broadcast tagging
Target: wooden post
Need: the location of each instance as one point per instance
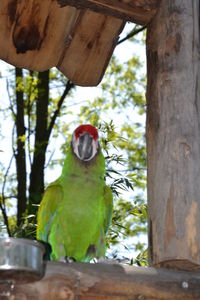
(173, 135)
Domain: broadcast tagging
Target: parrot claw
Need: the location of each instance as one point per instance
(66, 259)
(69, 259)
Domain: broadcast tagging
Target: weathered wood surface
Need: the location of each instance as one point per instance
(38, 35)
(93, 40)
(33, 32)
(173, 135)
(140, 11)
(113, 282)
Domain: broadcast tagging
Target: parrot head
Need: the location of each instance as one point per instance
(85, 144)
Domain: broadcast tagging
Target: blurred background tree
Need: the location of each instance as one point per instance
(44, 112)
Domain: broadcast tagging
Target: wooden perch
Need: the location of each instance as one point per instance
(113, 282)
(140, 12)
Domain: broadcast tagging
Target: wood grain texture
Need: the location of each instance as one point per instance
(173, 135)
(93, 40)
(105, 281)
(138, 11)
(32, 32)
(38, 35)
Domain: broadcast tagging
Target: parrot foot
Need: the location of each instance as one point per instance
(69, 259)
(66, 259)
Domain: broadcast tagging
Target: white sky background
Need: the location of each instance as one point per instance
(123, 52)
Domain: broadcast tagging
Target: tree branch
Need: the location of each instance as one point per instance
(68, 87)
(131, 34)
(29, 107)
(36, 187)
(2, 203)
(20, 156)
(9, 97)
(49, 160)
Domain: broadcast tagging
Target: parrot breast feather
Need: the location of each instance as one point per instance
(47, 210)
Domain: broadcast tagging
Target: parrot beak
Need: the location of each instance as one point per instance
(85, 147)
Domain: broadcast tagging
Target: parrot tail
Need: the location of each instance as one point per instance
(48, 250)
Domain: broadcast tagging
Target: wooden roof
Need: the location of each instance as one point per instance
(76, 36)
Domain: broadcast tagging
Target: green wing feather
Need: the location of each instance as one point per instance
(108, 201)
(99, 248)
(47, 210)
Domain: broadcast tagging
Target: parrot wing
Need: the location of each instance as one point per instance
(108, 201)
(98, 250)
(47, 210)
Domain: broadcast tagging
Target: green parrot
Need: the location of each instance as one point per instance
(76, 209)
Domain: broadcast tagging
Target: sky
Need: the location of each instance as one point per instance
(123, 52)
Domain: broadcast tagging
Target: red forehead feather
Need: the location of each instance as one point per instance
(86, 128)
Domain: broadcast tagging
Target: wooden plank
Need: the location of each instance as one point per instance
(140, 11)
(173, 131)
(91, 44)
(32, 32)
(38, 35)
(105, 281)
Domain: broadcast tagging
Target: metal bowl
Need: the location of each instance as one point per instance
(21, 260)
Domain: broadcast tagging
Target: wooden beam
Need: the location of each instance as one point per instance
(173, 135)
(113, 282)
(140, 11)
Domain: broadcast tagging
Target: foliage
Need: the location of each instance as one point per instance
(122, 140)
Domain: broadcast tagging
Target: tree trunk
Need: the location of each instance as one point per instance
(173, 135)
(37, 169)
(20, 155)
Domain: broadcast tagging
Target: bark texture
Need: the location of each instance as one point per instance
(173, 135)
(36, 188)
(105, 281)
